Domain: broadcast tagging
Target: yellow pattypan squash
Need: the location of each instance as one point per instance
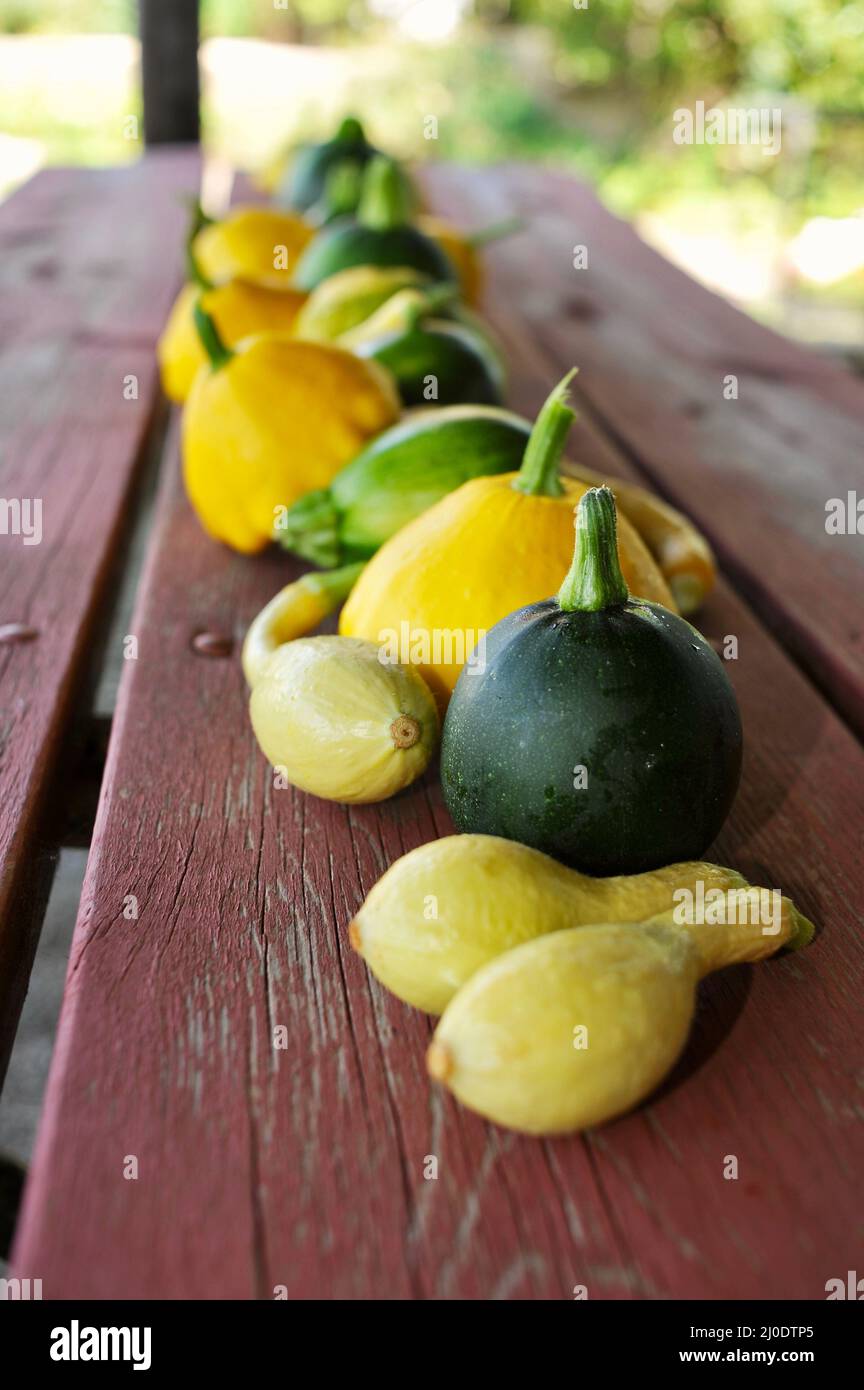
(239, 308)
(255, 243)
(494, 545)
(270, 420)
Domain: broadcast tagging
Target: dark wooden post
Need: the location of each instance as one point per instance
(169, 70)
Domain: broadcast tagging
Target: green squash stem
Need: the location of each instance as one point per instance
(211, 341)
(538, 475)
(431, 301)
(334, 585)
(198, 220)
(311, 528)
(194, 273)
(341, 190)
(594, 580)
(385, 201)
(350, 132)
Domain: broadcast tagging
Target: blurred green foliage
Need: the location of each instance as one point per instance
(67, 16)
(237, 18)
(591, 88)
(811, 47)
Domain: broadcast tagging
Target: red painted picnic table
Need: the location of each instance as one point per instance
(303, 1169)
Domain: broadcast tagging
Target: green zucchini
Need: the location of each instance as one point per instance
(405, 470)
(598, 728)
(306, 177)
(381, 234)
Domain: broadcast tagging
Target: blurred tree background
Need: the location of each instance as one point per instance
(591, 89)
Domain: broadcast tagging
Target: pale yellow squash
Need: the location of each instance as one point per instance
(349, 297)
(336, 722)
(490, 895)
(571, 1029)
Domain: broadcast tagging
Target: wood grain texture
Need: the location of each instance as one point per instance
(654, 350)
(89, 263)
(303, 1167)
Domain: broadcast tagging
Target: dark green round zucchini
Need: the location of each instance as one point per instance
(345, 243)
(306, 177)
(380, 234)
(600, 729)
(401, 473)
(440, 361)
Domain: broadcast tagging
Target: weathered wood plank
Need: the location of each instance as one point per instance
(304, 1167)
(89, 262)
(655, 349)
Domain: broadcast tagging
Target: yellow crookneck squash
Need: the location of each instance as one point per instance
(492, 546)
(269, 420)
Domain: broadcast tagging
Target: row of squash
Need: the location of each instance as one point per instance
(344, 399)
